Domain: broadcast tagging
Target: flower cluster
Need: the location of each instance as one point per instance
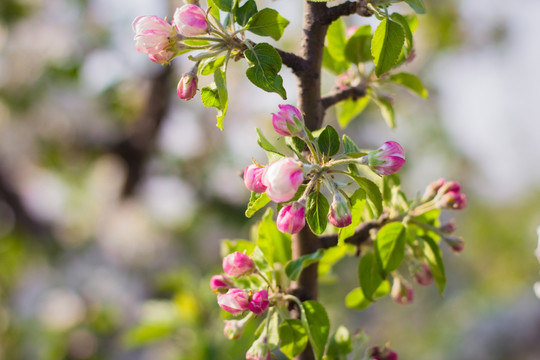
(234, 300)
(281, 180)
(192, 28)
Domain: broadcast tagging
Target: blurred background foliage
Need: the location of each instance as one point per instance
(114, 194)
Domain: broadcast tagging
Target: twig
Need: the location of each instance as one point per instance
(293, 61)
(337, 96)
(347, 8)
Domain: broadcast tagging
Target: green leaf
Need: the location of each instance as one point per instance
(328, 141)
(214, 9)
(355, 299)
(358, 202)
(318, 326)
(210, 66)
(148, 333)
(339, 345)
(267, 22)
(358, 47)
(417, 6)
(256, 202)
(408, 44)
(331, 256)
(219, 78)
(411, 82)
(389, 183)
(275, 245)
(225, 5)
(387, 111)
(295, 267)
(245, 12)
(273, 331)
(271, 151)
(432, 253)
(317, 212)
(348, 109)
(369, 275)
(386, 45)
(295, 143)
(349, 145)
(335, 40)
(265, 64)
(209, 96)
(294, 337)
(332, 65)
(373, 193)
(240, 245)
(390, 246)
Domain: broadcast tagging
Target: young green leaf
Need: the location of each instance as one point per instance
(267, 22)
(209, 96)
(411, 82)
(355, 299)
(373, 194)
(214, 9)
(275, 245)
(296, 144)
(294, 337)
(317, 212)
(358, 47)
(265, 64)
(210, 66)
(335, 42)
(219, 78)
(386, 45)
(358, 201)
(390, 246)
(271, 151)
(318, 325)
(225, 5)
(348, 109)
(332, 65)
(272, 335)
(245, 12)
(256, 202)
(387, 111)
(417, 6)
(408, 44)
(432, 253)
(349, 145)
(328, 141)
(331, 257)
(295, 267)
(369, 275)
(339, 345)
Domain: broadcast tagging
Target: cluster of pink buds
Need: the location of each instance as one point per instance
(446, 194)
(234, 300)
(382, 354)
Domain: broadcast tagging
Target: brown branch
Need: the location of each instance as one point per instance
(293, 61)
(347, 8)
(340, 95)
(361, 235)
(135, 148)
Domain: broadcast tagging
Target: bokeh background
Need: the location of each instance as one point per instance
(115, 194)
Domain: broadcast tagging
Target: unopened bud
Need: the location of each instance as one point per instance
(340, 214)
(288, 121)
(291, 218)
(234, 328)
(187, 86)
(235, 301)
(220, 283)
(423, 275)
(453, 200)
(283, 178)
(190, 20)
(259, 351)
(432, 189)
(402, 293)
(253, 178)
(385, 353)
(448, 228)
(387, 159)
(259, 302)
(238, 264)
(457, 244)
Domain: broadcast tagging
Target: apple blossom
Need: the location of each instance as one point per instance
(288, 121)
(283, 178)
(340, 214)
(291, 218)
(238, 264)
(190, 20)
(220, 283)
(235, 301)
(387, 159)
(155, 37)
(187, 86)
(253, 178)
(259, 302)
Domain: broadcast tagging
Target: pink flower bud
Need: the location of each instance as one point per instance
(387, 159)
(258, 351)
(190, 20)
(423, 275)
(340, 214)
(187, 86)
(238, 264)
(234, 328)
(234, 301)
(155, 37)
(453, 200)
(450, 186)
(220, 283)
(259, 302)
(288, 121)
(382, 354)
(432, 189)
(291, 218)
(253, 178)
(457, 244)
(402, 293)
(283, 178)
(448, 228)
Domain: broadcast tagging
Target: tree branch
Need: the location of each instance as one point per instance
(361, 235)
(340, 95)
(293, 61)
(347, 8)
